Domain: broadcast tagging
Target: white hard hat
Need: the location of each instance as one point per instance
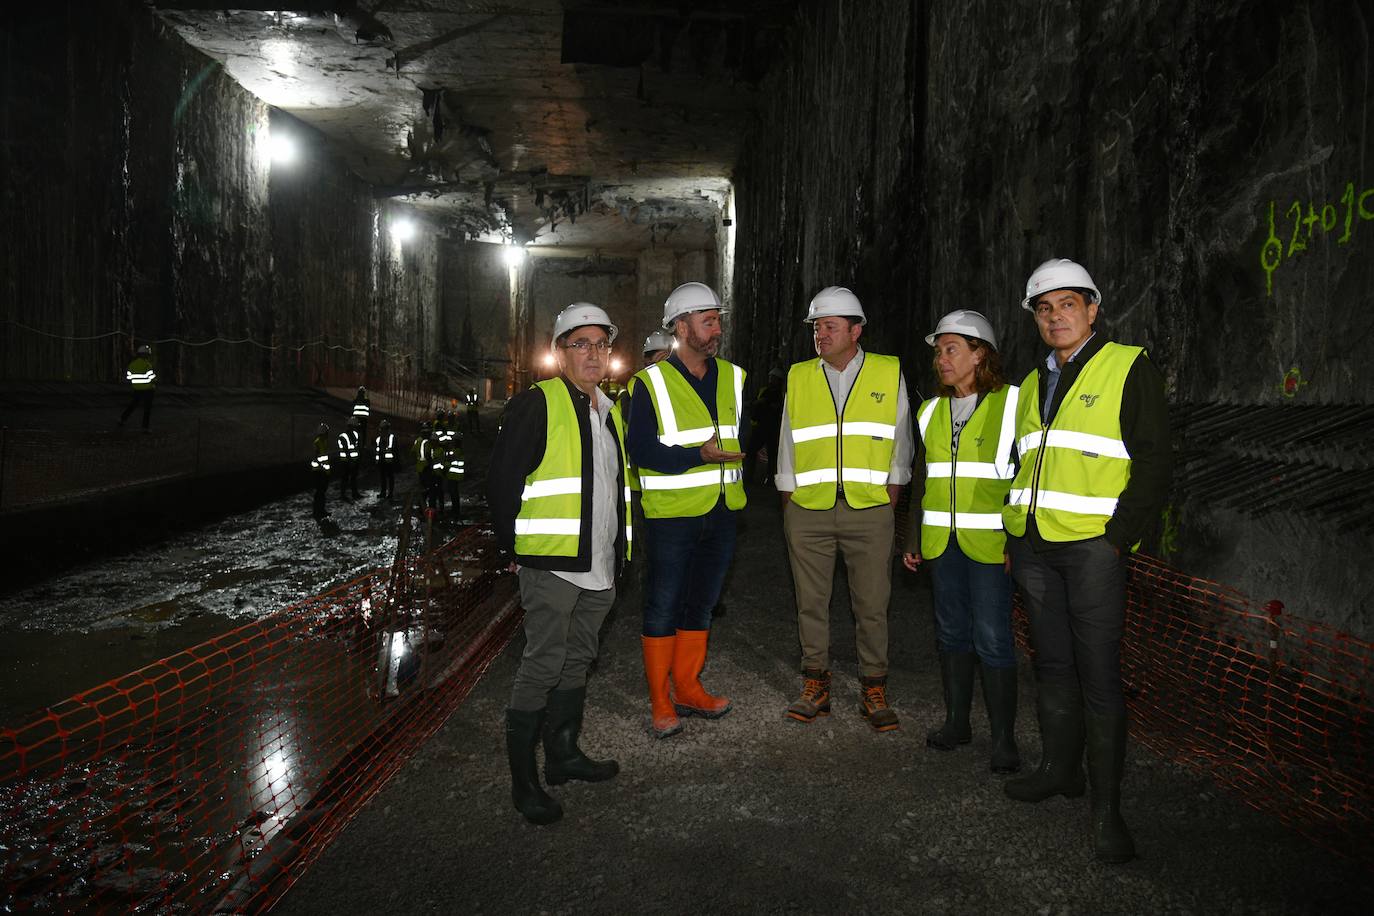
(1058, 273)
(836, 301)
(658, 340)
(688, 298)
(966, 322)
(580, 314)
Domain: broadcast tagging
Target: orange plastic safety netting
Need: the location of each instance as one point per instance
(1274, 709)
(209, 780)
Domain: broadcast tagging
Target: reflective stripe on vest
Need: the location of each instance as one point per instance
(964, 492)
(361, 410)
(854, 450)
(386, 452)
(140, 374)
(632, 472)
(321, 460)
(1074, 469)
(683, 420)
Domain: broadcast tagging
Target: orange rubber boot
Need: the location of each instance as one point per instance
(689, 657)
(658, 661)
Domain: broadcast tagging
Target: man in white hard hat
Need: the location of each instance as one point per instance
(1093, 441)
(844, 453)
(556, 490)
(685, 427)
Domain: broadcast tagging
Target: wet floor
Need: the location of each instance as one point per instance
(115, 615)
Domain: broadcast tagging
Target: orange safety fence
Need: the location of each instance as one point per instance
(209, 781)
(1275, 710)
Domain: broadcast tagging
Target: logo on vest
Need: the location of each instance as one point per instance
(877, 395)
(978, 441)
(1089, 399)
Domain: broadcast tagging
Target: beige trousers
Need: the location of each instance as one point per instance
(864, 538)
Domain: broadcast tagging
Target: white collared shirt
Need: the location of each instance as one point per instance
(605, 471)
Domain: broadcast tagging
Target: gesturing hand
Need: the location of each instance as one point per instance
(712, 453)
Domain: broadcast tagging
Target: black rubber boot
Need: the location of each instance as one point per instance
(563, 759)
(999, 694)
(1060, 709)
(522, 734)
(956, 675)
(1106, 760)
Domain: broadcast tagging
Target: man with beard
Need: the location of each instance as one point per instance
(684, 436)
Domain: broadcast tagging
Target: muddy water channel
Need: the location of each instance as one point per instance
(115, 615)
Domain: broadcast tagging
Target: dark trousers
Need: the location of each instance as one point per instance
(1076, 598)
(321, 485)
(387, 471)
(562, 636)
(474, 420)
(455, 488)
(433, 487)
(142, 396)
(348, 478)
(972, 607)
(688, 559)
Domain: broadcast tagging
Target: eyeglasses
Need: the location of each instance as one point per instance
(586, 345)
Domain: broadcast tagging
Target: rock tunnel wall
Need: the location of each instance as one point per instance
(1209, 162)
(142, 205)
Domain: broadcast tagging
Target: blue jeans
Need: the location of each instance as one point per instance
(973, 607)
(688, 559)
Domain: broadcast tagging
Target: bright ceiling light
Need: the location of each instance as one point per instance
(402, 230)
(549, 359)
(283, 149)
(616, 365)
(514, 255)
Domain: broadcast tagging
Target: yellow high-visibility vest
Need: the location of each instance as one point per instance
(964, 492)
(854, 449)
(1073, 468)
(684, 420)
(550, 522)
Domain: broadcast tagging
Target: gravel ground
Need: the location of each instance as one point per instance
(757, 813)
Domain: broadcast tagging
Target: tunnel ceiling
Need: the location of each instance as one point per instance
(610, 126)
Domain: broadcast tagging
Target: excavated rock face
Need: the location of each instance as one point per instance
(1208, 163)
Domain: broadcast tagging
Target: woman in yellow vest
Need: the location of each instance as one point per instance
(967, 433)
(560, 507)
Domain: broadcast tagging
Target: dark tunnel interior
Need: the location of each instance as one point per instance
(285, 205)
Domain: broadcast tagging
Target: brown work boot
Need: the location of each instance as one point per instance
(874, 708)
(815, 697)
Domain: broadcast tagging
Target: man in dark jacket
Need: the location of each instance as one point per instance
(1092, 435)
(555, 489)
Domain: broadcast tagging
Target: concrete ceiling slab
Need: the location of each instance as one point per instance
(472, 112)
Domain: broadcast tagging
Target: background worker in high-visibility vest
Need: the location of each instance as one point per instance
(319, 469)
(685, 427)
(387, 458)
(1092, 431)
(347, 453)
(142, 381)
(844, 454)
(967, 433)
(560, 507)
(362, 411)
(429, 464)
(454, 469)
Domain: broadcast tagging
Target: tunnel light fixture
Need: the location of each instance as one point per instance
(514, 255)
(616, 365)
(402, 230)
(549, 360)
(283, 149)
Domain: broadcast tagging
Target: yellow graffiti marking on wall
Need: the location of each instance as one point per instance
(1305, 226)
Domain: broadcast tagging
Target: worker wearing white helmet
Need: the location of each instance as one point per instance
(1093, 442)
(556, 490)
(685, 422)
(967, 433)
(844, 454)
